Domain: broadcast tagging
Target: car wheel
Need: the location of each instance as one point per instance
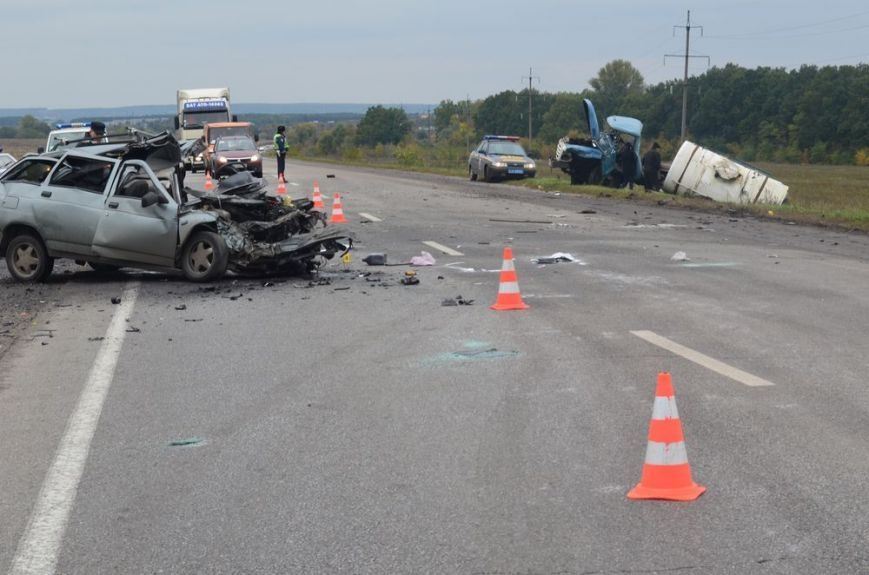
(472, 174)
(204, 257)
(486, 177)
(258, 174)
(27, 259)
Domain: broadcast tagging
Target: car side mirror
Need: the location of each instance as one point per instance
(177, 123)
(256, 138)
(40, 150)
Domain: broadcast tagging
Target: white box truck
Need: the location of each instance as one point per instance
(197, 107)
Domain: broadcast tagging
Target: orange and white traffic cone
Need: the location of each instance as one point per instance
(209, 185)
(666, 473)
(318, 198)
(508, 290)
(282, 185)
(337, 216)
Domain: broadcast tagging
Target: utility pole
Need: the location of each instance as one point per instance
(531, 78)
(686, 55)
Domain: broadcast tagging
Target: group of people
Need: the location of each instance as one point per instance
(651, 163)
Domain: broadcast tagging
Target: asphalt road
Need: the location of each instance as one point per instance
(351, 424)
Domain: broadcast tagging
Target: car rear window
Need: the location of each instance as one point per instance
(84, 173)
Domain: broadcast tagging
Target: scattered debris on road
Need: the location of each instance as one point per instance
(424, 259)
(456, 301)
(410, 278)
(679, 257)
(556, 258)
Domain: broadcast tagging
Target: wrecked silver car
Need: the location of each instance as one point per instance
(124, 205)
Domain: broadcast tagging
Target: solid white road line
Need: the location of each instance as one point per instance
(369, 217)
(442, 248)
(701, 359)
(39, 547)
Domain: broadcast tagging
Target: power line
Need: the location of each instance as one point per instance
(790, 28)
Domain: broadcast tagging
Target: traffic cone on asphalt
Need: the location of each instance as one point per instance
(209, 185)
(508, 290)
(282, 185)
(666, 473)
(318, 198)
(337, 216)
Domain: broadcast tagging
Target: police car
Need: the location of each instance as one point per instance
(498, 158)
(66, 135)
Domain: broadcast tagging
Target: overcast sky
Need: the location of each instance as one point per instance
(81, 53)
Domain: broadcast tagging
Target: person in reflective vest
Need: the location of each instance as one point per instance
(281, 150)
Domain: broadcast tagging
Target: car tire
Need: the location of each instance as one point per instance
(486, 177)
(204, 257)
(472, 175)
(27, 259)
(258, 174)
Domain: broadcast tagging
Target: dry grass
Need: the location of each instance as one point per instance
(18, 147)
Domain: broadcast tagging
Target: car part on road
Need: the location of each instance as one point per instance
(410, 278)
(424, 259)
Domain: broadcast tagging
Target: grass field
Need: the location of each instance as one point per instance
(18, 147)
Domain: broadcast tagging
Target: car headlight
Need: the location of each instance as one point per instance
(221, 160)
(499, 164)
(530, 166)
(254, 158)
(198, 157)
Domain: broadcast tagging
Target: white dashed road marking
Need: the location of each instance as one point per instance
(442, 248)
(703, 360)
(39, 546)
(369, 217)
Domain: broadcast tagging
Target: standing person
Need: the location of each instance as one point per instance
(652, 168)
(281, 150)
(628, 165)
(95, 135)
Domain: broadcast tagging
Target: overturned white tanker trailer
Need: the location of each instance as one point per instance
(698, 171)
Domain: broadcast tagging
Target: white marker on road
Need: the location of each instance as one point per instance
(39, 546)
(703, 360)
(369, 217)
(442, 248)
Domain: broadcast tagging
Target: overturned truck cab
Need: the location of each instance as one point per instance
(698, 171)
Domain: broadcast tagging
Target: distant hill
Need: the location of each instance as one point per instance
(69, 114)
